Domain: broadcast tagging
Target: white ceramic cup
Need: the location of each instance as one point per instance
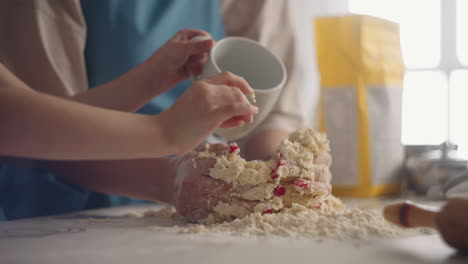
(262, 69)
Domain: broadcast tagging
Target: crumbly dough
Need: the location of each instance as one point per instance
(291, 176)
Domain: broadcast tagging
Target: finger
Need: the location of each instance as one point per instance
(190, 204)
(188, 34)
(200, 47)
(237, 109)
(201, 147)
(224, 94)
(196, 63)
(248, 119)
(217, 148)
(213, 187)
(203, 166)
(236, 121)
(199, 195)
(192, 33)
(230, 79)
(232, 124)
(198, 207)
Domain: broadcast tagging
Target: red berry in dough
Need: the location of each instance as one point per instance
(274, 175)
(279, 163)
(279, 191)
(232, 148)
(301, 183)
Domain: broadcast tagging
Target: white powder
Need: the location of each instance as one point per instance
(327, 222)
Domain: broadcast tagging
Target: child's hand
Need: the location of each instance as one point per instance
(217, 101)
(179, 57)
(196, 192)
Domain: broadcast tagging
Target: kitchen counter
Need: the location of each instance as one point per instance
(107, 236)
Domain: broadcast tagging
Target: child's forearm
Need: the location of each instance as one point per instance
(146, 179)
(129, 92)
(172, 63)
(36, 125)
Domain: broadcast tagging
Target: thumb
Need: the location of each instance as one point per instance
(233, 122)
(198, 47)
(236, 109)
(203, 166)
(217, 148)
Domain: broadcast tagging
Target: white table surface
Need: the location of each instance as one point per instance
(74, 238)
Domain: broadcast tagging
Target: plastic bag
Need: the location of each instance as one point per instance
(362, 70)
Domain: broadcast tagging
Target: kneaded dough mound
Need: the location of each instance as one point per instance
(294, 175)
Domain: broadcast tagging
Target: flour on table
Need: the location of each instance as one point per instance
(299, 221)
(291, 193)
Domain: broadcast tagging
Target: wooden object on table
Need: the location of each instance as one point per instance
(451, 221)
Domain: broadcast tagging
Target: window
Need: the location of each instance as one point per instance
(462, 31)
(434, 42)
(423, 121)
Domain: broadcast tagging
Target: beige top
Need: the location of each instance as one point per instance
(42, 42)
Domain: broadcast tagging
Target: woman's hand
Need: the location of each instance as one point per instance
(217, 101)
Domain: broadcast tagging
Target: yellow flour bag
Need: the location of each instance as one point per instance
(362, 70)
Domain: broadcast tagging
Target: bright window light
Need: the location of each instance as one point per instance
(424, 120)
(459, 109)
(425, 106)
(462, 31)
(419, 22)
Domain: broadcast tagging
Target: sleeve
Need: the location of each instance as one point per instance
(269, 22)
(43, 44)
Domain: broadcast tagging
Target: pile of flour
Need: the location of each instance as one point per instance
(296, 221)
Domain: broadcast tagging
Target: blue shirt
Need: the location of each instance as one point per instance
(121, 35)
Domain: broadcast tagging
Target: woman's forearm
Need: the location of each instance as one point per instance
(37, 125)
